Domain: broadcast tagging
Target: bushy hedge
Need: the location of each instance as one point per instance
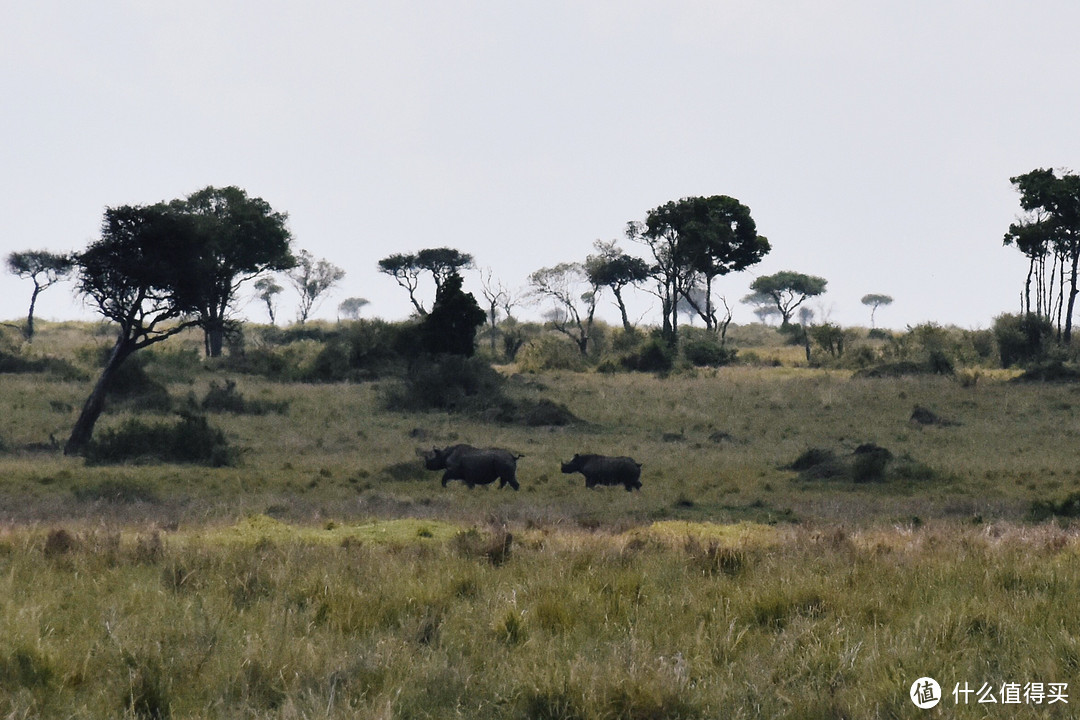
(447, 382)
(190, 440)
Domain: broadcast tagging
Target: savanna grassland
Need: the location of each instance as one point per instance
(325, 573)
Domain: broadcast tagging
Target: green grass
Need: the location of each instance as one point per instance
(386, 619)
(327, 574)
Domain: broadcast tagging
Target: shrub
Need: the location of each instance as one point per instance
(1022, 339)
(655, 355)
(448, 382)
(133, 389)
(550, 353)
(191, 440)
(705, 350)
(1045, 509)
(115, 491)
(226, 398)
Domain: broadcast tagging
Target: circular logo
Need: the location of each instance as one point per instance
(925, 693)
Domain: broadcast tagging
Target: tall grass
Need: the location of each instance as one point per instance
(242, 621)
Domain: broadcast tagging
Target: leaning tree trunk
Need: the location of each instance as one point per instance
(95, 404)
(30, 315)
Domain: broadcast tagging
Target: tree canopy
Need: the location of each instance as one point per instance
(234, 238)
(451, 325)
(693, 241)
(312, 278)
(157, 270)
(875, 300)
(44, 269)
(406, 269)
(614, 269)
(1051, 226)
(788, 290)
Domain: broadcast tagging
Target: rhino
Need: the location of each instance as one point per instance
(605, 470)
(474, 466)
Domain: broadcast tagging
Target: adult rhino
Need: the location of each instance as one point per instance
(605, 470)
(474, 466)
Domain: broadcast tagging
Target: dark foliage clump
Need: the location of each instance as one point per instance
(868, 463)
(57, 367)
(226, 398)
(116, 491)
(191, 440)
(818, 464)
(1022, 339)
(1046, 509)
(655, 355)
(448, 382)
(133, 389)
(493, 546)
(1052, 371)
(543, 412)
(708, 353)
(451, 325)
(59, 542)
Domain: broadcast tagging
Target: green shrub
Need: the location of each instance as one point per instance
(448, 382)
(1022, 339)
(115, 491)
(191, 440)
(655, 355)
(702, 348)
(226, 398)
(550, 353)
(1045, 509)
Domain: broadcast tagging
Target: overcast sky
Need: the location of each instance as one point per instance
(872, 141)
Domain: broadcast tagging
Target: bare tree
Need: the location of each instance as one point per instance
(498, 297)
(574, 297)
(312, 279)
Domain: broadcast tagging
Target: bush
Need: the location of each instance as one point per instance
(655, 355)
(448, 382)
(191, 440)
(1023, 339)
(226, 398)
(58, 367)
(549, 352)
(701, 348)
(133, 389)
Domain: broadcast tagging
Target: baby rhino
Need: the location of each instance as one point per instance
(604, 470)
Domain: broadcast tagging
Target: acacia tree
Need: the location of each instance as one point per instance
(567, 285)
(44, 269)
(238, 238)
(406, 269)
(875, 301)
(1053, 224)
(788, 290)
(266, 289)
(614, 269)
(160, 269)
(136, 275)
(312, 278)
(350, 307)
(693, 241)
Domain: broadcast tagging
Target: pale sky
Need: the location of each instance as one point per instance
(872, 141)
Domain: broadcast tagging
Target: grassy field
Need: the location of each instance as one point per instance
(328, 575)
